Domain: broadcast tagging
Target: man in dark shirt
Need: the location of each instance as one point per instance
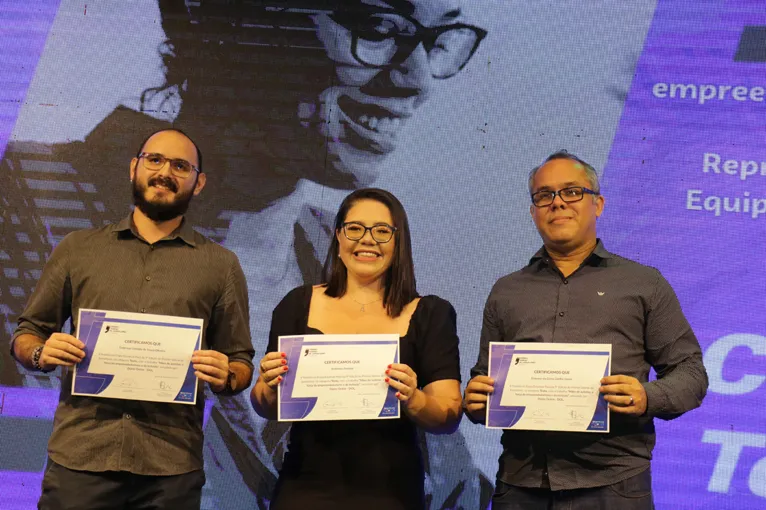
(112, 453)
(573, 290)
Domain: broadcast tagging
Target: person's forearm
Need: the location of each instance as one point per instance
(264, 399)
(434, 414)
(23, 347)
(678, 391)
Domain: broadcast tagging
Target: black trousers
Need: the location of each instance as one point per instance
(634, 493)
(67, 489)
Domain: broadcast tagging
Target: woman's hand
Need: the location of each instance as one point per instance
(436, 407)
(404, 380)
(263, 396)
(272, 366)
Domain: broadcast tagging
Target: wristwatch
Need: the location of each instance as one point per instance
(228, 388)
(36, 359)
(230, 382)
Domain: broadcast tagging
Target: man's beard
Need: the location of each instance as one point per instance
(161, 211)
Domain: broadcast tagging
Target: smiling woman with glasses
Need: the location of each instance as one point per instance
(380, 232)
(369, 288)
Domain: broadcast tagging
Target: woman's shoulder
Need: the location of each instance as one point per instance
(434, 302)
(433, 306)
(297, 296)
(317, 289)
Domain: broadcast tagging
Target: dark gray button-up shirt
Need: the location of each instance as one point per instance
(609, 299)
(112, 268)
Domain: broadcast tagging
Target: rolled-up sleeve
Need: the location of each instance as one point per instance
(50, 304)
(674, 352)
(229, 328)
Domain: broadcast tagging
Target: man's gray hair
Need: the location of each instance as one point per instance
(590, 172)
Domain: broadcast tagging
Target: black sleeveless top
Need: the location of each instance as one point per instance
(365, 464)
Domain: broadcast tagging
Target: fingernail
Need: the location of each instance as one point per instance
(386, 371)
(283, 354)
(279, 378)
(389, 366)
(284, 362)
(284, 369)
(386, 379)
(398, 394)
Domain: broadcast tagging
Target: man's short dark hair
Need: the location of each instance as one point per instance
(196, 147)
(590, 172)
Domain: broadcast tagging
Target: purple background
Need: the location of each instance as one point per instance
(715, 264)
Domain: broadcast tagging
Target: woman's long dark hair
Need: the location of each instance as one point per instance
(400, 287)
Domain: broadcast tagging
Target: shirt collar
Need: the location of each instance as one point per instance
(599, 253)
(184, 231)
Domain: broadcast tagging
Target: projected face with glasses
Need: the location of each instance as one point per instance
(382, 39)
(387, 55)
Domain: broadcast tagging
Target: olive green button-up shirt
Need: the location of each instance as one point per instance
(113, 268)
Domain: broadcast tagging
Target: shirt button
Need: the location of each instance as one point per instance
(561, 314)
(566, 281)
(143, 310)
(128, 416)
(148, 278)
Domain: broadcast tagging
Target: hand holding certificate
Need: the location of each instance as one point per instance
(337, 377)
(547, 386)
(137, 356)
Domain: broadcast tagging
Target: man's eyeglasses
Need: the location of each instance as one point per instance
(568, 195)
(381, 233)
(178, 167)
(382, 39)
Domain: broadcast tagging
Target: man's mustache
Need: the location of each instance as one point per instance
(164, 181)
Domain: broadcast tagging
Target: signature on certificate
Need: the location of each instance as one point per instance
(575, 415)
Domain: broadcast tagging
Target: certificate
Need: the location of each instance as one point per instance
(337, 377)
(137, 356)
(548, 386)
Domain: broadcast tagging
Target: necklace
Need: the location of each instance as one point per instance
(362, 309)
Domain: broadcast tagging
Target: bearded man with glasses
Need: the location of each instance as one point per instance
(119, 453)
(574, 291)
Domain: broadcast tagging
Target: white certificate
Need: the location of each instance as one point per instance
(548, 386)
(337, 377)
(137, 356)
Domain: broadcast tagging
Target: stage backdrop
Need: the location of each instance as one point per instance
(294, 103)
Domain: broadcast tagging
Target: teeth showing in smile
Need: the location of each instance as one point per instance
(366, 254)
(386, 125)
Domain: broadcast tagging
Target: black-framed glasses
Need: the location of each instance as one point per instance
(178, 167)
(568, 195)
(381, 39)
(380, 232)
